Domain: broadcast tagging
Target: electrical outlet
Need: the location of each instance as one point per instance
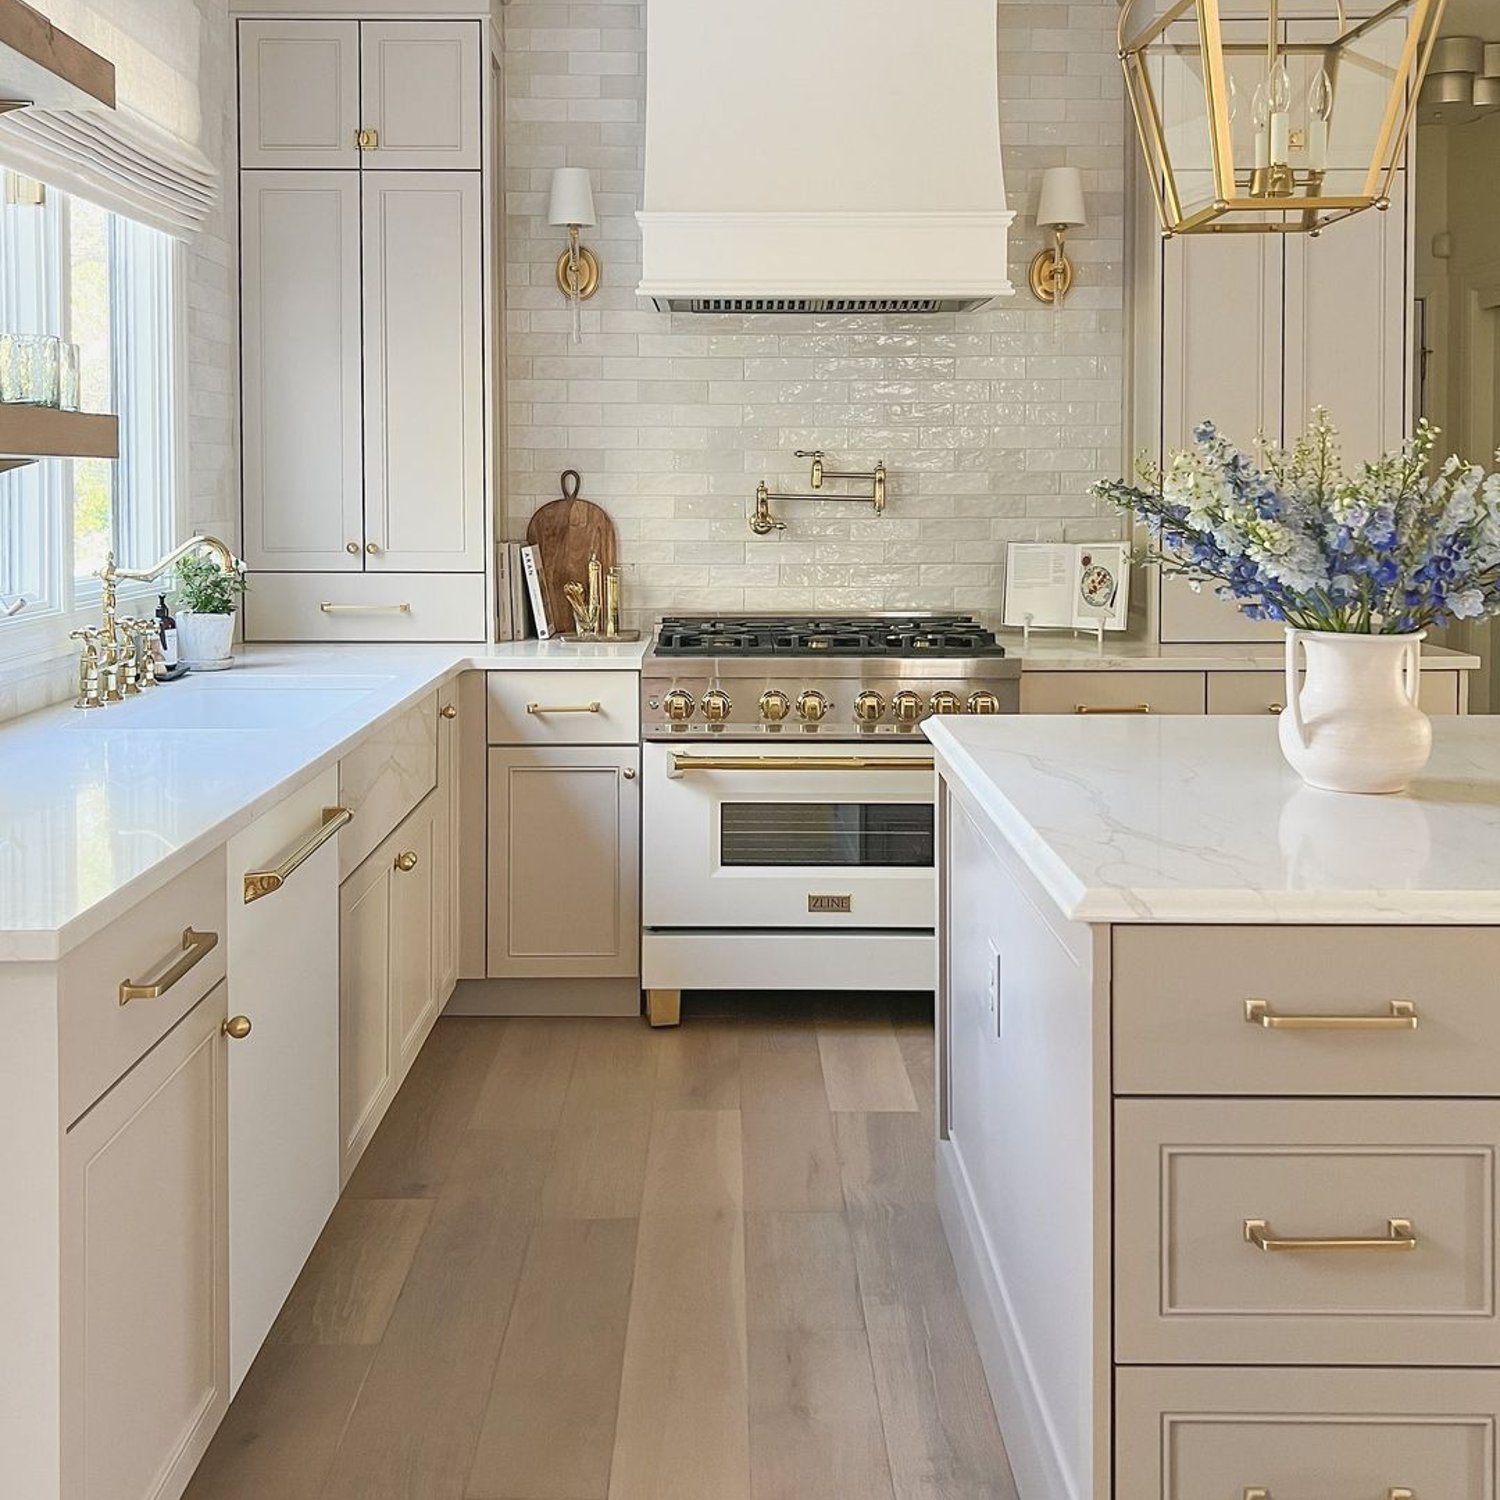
(993, 992)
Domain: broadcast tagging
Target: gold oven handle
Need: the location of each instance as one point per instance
(1402, 1017)
(260, 883)
(1399, 1236)
(1396, 1492)
(564, 708)
(364, 609)
(682, 763)
(196, 946)
(1131, 708)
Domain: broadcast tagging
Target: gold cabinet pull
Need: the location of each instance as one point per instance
(367, 139)
(564, 708)
(1129, 708)
(1402, 1016)
(1276, 708)
(1399, 1235)
(448, 711)
(260, 883)
(406, 861)
(681, 763)
(237, 1028)
(364, 609)
(196, 946)
(1396, 1492)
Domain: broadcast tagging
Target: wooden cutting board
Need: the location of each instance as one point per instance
(566, 533)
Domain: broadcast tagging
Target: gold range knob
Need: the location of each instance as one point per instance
(944, 702)
(679, 705)
(237, 1028)
(716, 705)
(811, 705)
(907, 706)
(983, 703)
(774, 705)
(406, 861)
(869, 706)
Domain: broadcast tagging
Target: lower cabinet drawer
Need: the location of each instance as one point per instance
(365, 607)
(1290, 1434)
(1265, 692)
(1112, 692)
(384, 777)
(1306, 1231)
(564, 708)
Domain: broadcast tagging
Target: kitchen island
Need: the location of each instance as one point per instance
(1219, 1107)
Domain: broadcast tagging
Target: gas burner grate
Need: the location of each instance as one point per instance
(832, 635)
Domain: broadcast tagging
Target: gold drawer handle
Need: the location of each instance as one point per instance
(406, 861)
(1399, 1236)
(260, 883)
(196, 946)
(364, 609)
(1255, 1492)
(1133, 708)
(1402, 1017)
(563, 708)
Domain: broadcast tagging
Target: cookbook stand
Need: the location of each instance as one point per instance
(1094, 631)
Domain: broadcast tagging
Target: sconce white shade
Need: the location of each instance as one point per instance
(1061, 203)
(572, 200)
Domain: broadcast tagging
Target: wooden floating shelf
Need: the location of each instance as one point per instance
(44, 66)
(28, 432)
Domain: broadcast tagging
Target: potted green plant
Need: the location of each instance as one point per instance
(207, 599)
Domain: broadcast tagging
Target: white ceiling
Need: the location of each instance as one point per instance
(1473, 18)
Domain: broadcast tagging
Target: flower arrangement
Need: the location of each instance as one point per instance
(1289, 536)
(205, 588)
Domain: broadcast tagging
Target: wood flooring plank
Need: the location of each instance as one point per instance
(863, 1069)
(615, 1066)
(698, 1067)
(815, 1424)
(886, 1158)
(549, 1427)
(355, 1273)
(279, 1435)
(800, 1274)
(414, 1146)
(694, 1164)
(529, 1075)
(790, 1159)
(942, 1441)
(683, 1431)
(598, 1164)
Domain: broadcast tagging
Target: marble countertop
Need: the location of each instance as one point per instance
(99, 808)
(1200, 820)
(1061, 653)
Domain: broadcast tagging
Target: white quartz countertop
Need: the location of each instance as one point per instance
(1062, 653)
(1187, 819)
(101, 807)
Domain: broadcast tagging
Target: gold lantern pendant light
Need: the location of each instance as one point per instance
(1333, 106)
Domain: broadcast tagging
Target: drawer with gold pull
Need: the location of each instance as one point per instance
(563, 708)
(1306, 1010)
(124, 988)
(1293, 1434)
(1112, 694)
(1306, 1231)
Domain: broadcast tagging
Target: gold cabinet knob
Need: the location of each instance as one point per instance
(373, 548)
(352, 548)
(774, 705)
(678, 704)
(406, 861)
(945, 702)
(628, 772)
(811, 705)
(449, 711)
(367, 139)
(983, 703)
(869, 706)
(716, 705)
(907, 706)
(237, 1028)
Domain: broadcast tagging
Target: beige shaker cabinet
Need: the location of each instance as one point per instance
(145, 1269)
(420, 94)
(299, 94)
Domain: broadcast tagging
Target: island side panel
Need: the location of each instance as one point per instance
(1024, 1154)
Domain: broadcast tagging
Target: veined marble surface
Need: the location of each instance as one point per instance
(100, 807)
(1201, 820)
(1077, 653)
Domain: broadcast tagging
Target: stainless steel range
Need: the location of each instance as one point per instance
(788, 827)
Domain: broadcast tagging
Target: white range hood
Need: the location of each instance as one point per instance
(822, 156)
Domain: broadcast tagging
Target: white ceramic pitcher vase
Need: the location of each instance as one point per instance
(1354, 724)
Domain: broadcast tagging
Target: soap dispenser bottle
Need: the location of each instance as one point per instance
(166, 627)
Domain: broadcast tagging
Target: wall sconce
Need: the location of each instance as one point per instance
(1060, 209)
(572, 206)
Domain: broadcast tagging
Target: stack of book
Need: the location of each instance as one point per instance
(520, 604)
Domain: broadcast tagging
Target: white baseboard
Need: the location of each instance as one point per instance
(1037, 1459)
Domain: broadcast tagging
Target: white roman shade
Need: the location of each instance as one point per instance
(146, 158)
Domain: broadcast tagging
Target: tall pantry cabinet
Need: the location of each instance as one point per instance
(364, 232)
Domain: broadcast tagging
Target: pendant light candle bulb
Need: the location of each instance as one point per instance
(1319, 113)
(1261, 111)
(1280, 99)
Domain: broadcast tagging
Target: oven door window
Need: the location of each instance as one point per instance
(835, 834)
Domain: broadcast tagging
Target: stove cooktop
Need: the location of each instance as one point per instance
(825, 635)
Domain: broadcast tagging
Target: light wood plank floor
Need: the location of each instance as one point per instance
(582, 1260)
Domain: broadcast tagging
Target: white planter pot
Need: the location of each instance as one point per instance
(204, 642)
(1354, 724)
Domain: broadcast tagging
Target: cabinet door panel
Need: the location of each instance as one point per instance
(424, 371)
(145, 1270)
(299, 93)
(421, 93)
(301, 370)
(367, 1069)
(413, 977)
(564, 862)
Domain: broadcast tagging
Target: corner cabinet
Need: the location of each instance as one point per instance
(364, 235)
